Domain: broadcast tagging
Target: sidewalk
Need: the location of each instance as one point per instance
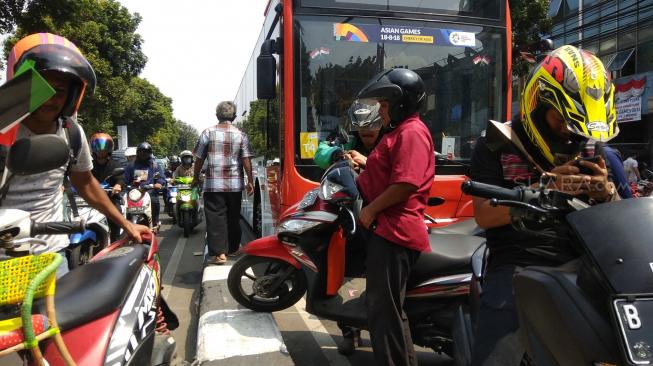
(230, 334)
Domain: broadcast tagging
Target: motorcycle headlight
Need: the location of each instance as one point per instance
(328, 189)
(134, 195)
(185, 198)
(297, 226)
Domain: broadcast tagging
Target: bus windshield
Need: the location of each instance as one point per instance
(462, 67)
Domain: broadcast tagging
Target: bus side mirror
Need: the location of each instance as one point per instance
(266, 71)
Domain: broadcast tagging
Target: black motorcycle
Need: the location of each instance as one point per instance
(595, 310)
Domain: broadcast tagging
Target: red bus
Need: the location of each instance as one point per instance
(313, 56)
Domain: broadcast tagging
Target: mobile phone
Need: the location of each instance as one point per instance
(583, 169)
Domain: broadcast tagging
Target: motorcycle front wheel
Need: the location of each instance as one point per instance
(187, 223)
(265, 284)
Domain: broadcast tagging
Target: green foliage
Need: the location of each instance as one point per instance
(530, 20)
(105, 32)
(187, 137)
(255, 127)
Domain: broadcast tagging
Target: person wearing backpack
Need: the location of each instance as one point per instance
(69, 73)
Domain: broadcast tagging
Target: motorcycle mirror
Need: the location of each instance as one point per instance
(42, 152)
(435, 201)
(118, 172)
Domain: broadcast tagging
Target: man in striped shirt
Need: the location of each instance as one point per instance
(226, 151)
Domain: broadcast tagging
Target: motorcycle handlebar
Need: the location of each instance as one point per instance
(57, 228)
(489, 191)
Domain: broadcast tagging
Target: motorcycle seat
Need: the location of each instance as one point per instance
(97, 288)
(464, 227)
(450, 254)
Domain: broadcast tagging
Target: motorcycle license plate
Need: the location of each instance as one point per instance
(635, 319)
(136, 209)
(309, 199)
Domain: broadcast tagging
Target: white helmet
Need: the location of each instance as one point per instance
(130, 151)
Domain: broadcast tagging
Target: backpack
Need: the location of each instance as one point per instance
(74, 138)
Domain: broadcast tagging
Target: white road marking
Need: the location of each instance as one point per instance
(173, 264)
(321, 335)
(216, 273)
(228, 333)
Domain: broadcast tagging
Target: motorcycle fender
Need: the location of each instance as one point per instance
(86, 343)
(270, 246)
(78, 238)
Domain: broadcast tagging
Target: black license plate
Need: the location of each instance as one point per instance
(635, 320)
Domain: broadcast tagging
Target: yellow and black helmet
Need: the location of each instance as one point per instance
(575, 83)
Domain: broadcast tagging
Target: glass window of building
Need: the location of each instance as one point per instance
(645, 57)
(627, 12)
(619, 60)
(571, 7)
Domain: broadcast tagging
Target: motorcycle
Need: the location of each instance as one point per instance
(308, 256)
(170, 199)
(596, 309)
(97, 237)
(110, 311)
(139, 204)
(187, 206)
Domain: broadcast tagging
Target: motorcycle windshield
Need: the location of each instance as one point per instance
(184, 180)
(617, 237)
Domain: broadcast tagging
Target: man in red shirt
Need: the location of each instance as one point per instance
(395, 187)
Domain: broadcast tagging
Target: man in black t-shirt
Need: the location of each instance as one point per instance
(568, 86)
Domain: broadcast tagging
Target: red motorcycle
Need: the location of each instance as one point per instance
(308, 256)
(110, 311)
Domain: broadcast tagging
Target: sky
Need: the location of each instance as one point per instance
(197, 50)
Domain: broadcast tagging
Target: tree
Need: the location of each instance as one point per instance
(530, 21)
(105, 32)
(187, 137)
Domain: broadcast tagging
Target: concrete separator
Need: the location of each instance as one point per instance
(231, 335)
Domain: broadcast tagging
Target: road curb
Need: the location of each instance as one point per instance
(230, 334)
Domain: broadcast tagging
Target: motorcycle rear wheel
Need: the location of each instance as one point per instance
(260, 273)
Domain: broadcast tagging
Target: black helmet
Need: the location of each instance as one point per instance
(174, 160)
(143, 151)
(402, 88)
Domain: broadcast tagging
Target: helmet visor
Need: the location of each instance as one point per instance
(59, 58)
(364, 114)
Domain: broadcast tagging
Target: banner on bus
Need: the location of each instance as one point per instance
(402, 34)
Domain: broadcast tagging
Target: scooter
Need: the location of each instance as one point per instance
(110, 311)
(308, 256)
(83, 246)
(139, 204)
(170, 199)
(595, 310)
(187, 207)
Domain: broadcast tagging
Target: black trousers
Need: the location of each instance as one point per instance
(497, 341)
(222, 211)
(388, 267)
(156, 208)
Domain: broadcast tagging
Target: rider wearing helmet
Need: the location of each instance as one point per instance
(147, 171)
(103, 169)
(68, 72)
(366, 125)
(130, 154)
(395, 186)
(566, 103)
(173, 163)
(186, 168)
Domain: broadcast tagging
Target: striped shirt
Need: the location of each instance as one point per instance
(223, 146)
